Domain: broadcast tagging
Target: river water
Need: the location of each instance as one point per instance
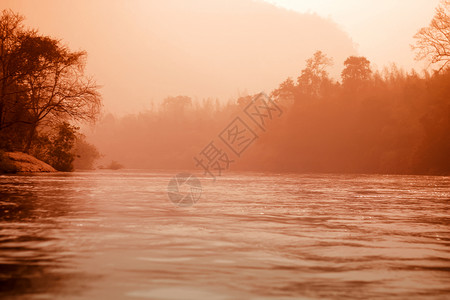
(116, 235)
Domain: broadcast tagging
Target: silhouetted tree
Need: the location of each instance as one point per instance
(60, 153)
(243, 101)
(357, 70)
(176, 106)
(55, 84)
(314, 76)
(85, 154)
(433, 42)
(11, 33)
(286, 92)
(40, 80)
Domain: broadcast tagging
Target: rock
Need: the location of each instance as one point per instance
(16, 162)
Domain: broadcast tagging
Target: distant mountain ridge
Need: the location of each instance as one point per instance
(147, 50)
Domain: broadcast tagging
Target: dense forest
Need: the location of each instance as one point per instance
(370, 121)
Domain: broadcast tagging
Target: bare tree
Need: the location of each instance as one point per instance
(55, 84)
(11, 29)
(433, 42)
(42, 79)
(315, 74)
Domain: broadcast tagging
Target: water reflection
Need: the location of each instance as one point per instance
(33, 259)
(251, 236)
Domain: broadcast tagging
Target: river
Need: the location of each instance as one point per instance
(116, 235)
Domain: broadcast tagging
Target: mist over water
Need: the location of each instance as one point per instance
(116, 235)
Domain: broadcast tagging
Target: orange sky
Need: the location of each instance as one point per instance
(382, 29)
(141, 51)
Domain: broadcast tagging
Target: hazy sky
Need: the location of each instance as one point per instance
(144, 50)
(382, 30)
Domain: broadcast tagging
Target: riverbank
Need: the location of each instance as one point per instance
(18, 162)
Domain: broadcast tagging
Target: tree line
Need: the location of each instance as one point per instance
(370, 121)
(386, 121)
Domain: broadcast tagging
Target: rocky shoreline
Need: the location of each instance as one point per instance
(18, 162)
